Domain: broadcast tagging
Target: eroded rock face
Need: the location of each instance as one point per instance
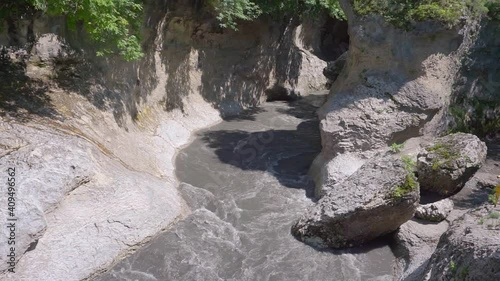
(475, 107)
(436, 212)
(470, 249)
(395, 86)
(446, 165)
(370, 203)
(77, 207)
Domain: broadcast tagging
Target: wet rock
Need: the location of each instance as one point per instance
(446, 165)
(470, 249)
(375, 200)
(436, 212)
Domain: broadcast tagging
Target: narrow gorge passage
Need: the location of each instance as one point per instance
(246, 180)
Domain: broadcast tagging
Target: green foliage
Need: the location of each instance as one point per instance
(113, 24)
(446, 154)
(476, 120)
(410, 182)
(230, 11)
(492, 220)
(15, 9)
(396, 148)
(494, 215)
(464, 272)
(410, 164)
(493, 7)
(453, 266)
(405, 13)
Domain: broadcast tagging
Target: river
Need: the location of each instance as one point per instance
(246, 180)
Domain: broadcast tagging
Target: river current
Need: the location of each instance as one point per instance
(246, 181)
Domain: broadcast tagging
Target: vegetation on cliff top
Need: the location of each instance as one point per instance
(230, 11)
(404, 13)
(115, 24)
(401, 13)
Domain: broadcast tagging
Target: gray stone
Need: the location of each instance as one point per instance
(448, 163)
(333, 68)
(77, 208)
(368, 204)
(415, 242)
(470, 249)
(436, 212)
(395, 85)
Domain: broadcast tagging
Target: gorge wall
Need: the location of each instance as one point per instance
(399, 84)
(93, 139)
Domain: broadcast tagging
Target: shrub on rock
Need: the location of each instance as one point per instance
(375, 200)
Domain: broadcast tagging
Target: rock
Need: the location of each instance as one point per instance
(375, 200)
(415, 242)
(470, 249)
(446, 165)
(328, 173)
(396, 84)
(333, 68)
(74, 201)
(475, 107)
(436, 212)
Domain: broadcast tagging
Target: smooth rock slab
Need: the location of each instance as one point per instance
(78, 209)
(446, 165)
(362, 208)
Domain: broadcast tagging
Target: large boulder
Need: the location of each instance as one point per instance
(470, 249)
(446, 165)
(436, 211)
(374, 201)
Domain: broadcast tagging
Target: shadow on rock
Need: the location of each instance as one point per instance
(19, 93)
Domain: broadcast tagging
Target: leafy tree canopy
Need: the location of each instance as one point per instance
(229, 11)
(113, 24)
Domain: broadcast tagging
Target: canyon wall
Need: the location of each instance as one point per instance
(396, 85)
(93, 139)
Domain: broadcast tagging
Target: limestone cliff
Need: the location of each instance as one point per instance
(93, 139)
(396, 85)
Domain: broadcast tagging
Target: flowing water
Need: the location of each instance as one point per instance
(246, 178)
